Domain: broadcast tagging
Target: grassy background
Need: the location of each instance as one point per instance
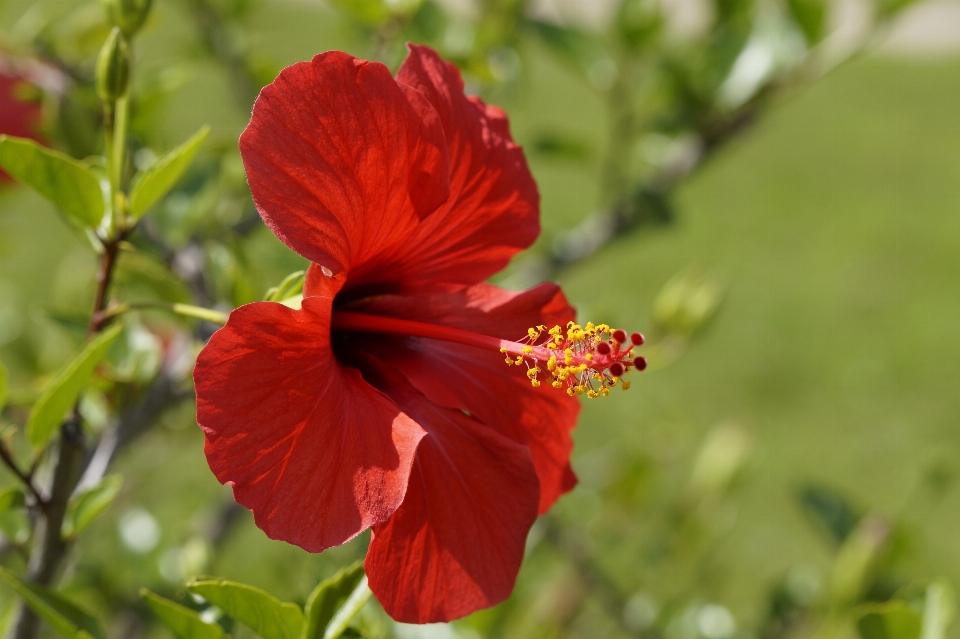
(836, 223)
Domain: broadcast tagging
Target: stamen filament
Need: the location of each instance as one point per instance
(363, 323)
(575, 362)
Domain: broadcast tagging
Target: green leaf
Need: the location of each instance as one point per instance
(86, 506)
(7, 617)
(183, 622)
(60, 395)
(357, 600)
(64, 616)
(155, 182)
(142, 270)
(890, 620)
(264, 614)
(15, 525)
(11, 498)
(4, 386)
(291, 285)
(810, 16)
(71, 185)
(328, 597)
(887, 9)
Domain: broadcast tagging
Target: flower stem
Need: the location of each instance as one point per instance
(116, 147)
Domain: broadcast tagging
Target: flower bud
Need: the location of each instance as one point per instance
(687, 303)
(113, 67)
(129, 15)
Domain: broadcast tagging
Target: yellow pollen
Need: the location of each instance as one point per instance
(571, 358)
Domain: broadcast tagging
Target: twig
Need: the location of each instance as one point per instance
(25, 478)
(108, 263)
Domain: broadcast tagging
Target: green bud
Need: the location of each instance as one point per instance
(129, 15)
(113, 67)
(686, 304)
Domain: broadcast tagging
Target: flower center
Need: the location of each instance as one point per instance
(587, 359)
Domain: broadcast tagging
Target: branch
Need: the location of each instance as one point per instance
(51, 548)
(163, 394)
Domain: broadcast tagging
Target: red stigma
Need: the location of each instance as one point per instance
(617, 369)
(636, 339)
(640, 363)
(604, 348)
(620, 336)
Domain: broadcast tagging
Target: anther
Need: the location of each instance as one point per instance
(589, 359)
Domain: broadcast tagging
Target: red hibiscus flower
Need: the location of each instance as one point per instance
(384, 401)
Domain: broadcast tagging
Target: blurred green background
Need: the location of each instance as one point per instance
(716, 494)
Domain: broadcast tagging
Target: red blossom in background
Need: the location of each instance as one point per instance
(19, 110)
(371, 406)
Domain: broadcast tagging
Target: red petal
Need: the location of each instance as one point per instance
(493, 210)
(456, 543)
(480, 382)
(314, 451)
(341, 163)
